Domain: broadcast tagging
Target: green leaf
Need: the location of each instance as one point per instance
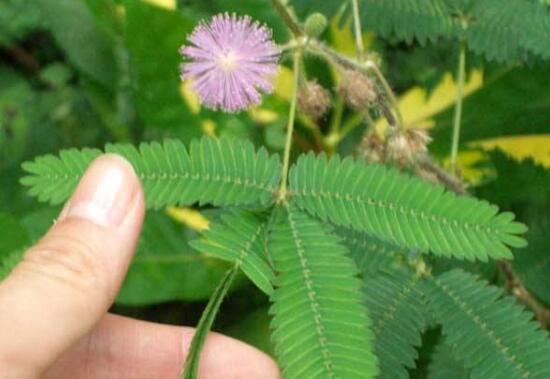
(165, 268)
(240, 238)
(87, 46)
(424, 20)
(370, 254)
(526, 183)
(504, 31)
(493, 335)
(397, 309)
(219, 172)
(253, 328)
(533, 264)
(508, 31)
(155, 60)
(14, 235)
(205, 324)
(17, 113)
(511, 102)
(8, 263)
(444, 364)
(17, 19)
(402, 210)
(320, 325)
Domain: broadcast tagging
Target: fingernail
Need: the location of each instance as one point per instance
(104, 193)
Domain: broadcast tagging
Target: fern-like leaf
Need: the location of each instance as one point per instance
(397, 309)
(509, 30)
(321, 328)
(371, 255)
(219, 172)
(240, 238)
(424, 20)
(403, 210)
(493, 335)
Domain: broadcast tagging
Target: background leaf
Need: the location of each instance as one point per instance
(155, 61)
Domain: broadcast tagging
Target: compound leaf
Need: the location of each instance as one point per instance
(218, 172)
(424, 20)
(403, 210)
(493, 335)
(396, 306)
(239, 238)
(371, 255)
(320, 325)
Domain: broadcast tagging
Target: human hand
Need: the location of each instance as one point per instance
(53, 307)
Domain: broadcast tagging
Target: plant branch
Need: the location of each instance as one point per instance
(458, 105)
(451, 182)
(287, 17)
(290, 128)
(389, 92)
(392, 113)
(516, 287)
(358, 32)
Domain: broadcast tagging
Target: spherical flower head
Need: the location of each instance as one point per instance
(230, 60)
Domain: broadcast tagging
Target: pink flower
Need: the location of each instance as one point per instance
(230, 60)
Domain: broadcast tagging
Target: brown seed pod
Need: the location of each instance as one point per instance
(405, 145)
(357, 89)
(313, 99)
(372, 148)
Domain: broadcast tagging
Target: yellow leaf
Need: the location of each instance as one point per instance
(191, 218)
(343, 39)
(262, 115)
(283, 83)
(418, 107)
(520, 147)
(467, 162)
(167, 4)
(190, 97)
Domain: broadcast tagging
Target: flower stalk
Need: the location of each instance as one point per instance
(287, 17)
(358, 32)
(282, 195)
(458, 106)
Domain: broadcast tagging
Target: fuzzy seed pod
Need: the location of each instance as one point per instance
(357, 89)
(372, 148)
(313, 100)
(404, 146)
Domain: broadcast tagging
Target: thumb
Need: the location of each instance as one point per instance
(68, 280)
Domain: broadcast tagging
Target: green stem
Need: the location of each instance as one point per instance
(205, 324)
(358, 32)
(336, 119)
(458, 105)
(290, 127)
(287, 17)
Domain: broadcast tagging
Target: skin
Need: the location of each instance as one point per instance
(53, 307)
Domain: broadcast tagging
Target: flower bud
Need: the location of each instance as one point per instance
(357, 89)
(315, 24)
(313, 100)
